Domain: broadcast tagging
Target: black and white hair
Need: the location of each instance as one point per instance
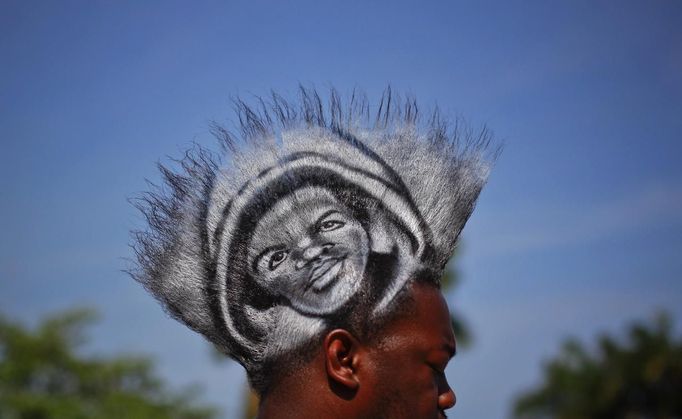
(308, 213)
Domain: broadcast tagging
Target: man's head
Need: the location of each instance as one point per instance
(314, 222)
(398, 372)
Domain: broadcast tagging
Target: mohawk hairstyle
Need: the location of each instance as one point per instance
(309, 213)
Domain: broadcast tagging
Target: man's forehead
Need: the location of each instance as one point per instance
(433, 315)
(426, 323)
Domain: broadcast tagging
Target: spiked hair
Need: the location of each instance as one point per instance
(309, 213)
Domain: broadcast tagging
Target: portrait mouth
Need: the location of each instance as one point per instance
(323, 275)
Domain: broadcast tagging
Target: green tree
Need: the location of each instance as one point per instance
(638, 378)
(42, 376)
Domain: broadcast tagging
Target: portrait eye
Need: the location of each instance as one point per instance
(277, 258)
(331, 225)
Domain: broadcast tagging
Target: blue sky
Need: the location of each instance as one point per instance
(578, 232)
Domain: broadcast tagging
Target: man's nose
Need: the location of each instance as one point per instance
(447, 399)
(311, 253)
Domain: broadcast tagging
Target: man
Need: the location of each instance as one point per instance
(397, 374)
(311, 253)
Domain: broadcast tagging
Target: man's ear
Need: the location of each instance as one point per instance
(342, 355)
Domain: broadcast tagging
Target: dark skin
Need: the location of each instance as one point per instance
(398, 374)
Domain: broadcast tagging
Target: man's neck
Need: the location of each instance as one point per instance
(297, 397)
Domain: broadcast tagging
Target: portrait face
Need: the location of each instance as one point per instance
(310, 250)
(410, 360)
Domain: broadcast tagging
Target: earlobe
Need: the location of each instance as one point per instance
(341, 358)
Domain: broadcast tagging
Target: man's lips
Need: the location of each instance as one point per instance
(323, 275)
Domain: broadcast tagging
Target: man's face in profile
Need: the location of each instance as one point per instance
(409, 362)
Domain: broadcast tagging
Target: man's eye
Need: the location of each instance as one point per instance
(277, 258)
(330, 225)
(438, 369)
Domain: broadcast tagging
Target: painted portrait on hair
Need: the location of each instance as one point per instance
(307, 215)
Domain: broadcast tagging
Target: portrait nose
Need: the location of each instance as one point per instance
(311, 253)
(447, 399)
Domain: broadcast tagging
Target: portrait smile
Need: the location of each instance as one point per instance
(324, 274)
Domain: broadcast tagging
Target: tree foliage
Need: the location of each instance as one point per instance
(638, 378)
(43, 376)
